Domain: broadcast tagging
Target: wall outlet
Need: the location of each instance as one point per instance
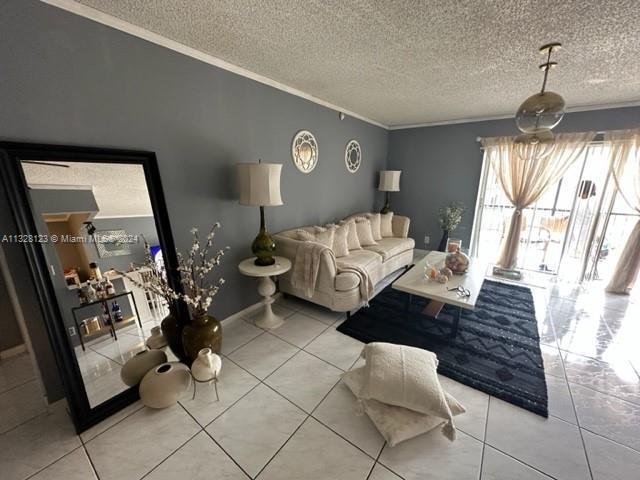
(72, 331)
(427, 239)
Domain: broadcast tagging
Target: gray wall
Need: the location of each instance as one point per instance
(442, 164)
(10, 335)
(69, 80)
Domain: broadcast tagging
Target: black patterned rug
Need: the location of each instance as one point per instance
(496, 348)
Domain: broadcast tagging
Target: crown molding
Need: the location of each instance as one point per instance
(580, 108)
(157, 39)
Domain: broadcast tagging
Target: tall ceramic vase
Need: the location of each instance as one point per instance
(442, 246)
(172, 330)
(204, 331)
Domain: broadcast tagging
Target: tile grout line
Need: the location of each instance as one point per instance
(484, 438)
(309, 415)
(11, 389)
(573, 403)
(86, 452)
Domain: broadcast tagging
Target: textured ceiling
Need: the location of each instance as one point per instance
(405, 62)
(119, 190)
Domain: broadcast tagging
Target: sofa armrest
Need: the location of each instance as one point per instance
(400, 226)
(288, 247)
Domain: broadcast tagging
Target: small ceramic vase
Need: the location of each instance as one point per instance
(207, 366)
(156, 340)
(162, 386)
(136, 367)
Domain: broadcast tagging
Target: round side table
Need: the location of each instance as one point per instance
(266, 287)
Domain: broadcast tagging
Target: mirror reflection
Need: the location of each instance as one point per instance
(93, 220)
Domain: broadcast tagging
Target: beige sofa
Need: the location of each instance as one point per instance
(340, 291)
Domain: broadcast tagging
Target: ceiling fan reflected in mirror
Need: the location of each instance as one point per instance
(46, 164)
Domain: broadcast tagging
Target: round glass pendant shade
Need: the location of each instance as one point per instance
(541, 111)
(534, 146)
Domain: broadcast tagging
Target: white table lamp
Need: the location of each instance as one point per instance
(259, 185)
(389, 182)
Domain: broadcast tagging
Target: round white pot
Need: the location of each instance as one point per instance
(137, 367)
(162, 386)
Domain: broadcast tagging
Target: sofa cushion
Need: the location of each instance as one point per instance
(391, 246)
(374, 218)
(352, 236)
(322, 235)
(365, 234)
(386, 224)
(346, 281)
(362, 258)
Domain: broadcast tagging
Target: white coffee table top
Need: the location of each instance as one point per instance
(415, 283)
(249, 268)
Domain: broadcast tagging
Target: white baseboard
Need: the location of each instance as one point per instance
(245, 312)
(13, 351)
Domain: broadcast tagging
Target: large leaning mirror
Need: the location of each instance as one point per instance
(91, 215)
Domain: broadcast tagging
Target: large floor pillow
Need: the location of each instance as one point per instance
(396, 424)
(406, 377)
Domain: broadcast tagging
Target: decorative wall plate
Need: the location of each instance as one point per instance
(304, 151)
(353, 156)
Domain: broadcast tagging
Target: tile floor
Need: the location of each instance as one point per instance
(284, 414)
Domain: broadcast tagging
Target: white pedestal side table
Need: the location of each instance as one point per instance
(266, 287)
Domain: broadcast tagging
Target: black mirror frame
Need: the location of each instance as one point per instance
(11, 154)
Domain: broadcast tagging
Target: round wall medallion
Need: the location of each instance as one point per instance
(353, 156)
(304, 151)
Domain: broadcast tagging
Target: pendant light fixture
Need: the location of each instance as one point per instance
(538, 114)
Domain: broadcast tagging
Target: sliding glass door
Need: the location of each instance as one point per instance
(576, 229)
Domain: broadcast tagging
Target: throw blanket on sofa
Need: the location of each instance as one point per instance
(306, 265)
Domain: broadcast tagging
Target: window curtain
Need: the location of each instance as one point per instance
(524, 181)
(625, 169)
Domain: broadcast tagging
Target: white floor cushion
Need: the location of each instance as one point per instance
(396, 424)
(405, 377)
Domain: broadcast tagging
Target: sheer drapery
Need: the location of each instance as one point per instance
(524, 181)
(625, 169)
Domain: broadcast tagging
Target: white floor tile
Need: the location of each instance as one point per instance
(608, 416)
(433, 456)
(474, 420)
(336, 348)
(15, 371)
(199, 459)
(277, 308)
(299, 329)
(141, 441)
(559, 399)
(498, 466)
(380, 472)
(110, 421)
(255, 428)
(614, 377)
(304, 380)
(234, 382)
(316, 453)
(550, 445)
(262, 355)
(20, 404)
(74, 466)
(339, 411)
(37, 443)
(237, 334)
(322, 313)
(609, 460)
(552, 360)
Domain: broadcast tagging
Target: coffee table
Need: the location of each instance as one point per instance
(414, 283)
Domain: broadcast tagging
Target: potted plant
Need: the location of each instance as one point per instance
(187, 338)
(449, 218)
